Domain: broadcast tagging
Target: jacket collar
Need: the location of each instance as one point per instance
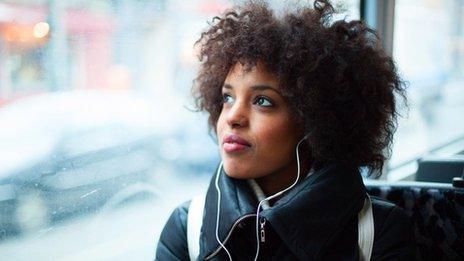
(307, 218)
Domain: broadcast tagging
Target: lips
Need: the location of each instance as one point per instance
(235, 143)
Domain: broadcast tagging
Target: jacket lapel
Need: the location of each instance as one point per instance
(312, 215)
(236, 201)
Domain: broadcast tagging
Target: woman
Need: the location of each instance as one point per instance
(299, 105)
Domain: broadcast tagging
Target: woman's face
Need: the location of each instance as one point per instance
(256, 135)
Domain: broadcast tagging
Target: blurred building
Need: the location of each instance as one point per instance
(45, 47)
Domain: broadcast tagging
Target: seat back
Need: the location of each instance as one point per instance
(440, 169)
(436, 211)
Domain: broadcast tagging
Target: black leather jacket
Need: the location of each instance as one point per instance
(316, 220)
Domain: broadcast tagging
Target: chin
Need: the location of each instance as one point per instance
(237, 171)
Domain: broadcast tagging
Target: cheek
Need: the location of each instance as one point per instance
(278, 134)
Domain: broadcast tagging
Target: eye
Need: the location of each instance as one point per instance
(264, 102)
(226, 98)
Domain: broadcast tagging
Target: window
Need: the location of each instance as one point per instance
(96, 139)
(428, 47)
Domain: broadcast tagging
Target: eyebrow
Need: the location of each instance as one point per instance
(259, 87)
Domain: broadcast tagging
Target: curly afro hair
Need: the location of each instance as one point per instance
(340, 84)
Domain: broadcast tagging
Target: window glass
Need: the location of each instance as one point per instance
(428, 47)
(98, 140)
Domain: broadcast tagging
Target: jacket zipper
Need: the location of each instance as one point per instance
(262, 232)
(215, 252)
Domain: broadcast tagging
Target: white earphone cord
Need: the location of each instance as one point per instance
(218, 210)
(259, 205)
(276, 195)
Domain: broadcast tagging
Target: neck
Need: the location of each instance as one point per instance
(282, 179)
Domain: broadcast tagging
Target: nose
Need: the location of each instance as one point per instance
(237, 116)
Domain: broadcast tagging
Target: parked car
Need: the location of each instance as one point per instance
(68, 154)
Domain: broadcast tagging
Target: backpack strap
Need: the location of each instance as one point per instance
(366, 230)
(194, 222)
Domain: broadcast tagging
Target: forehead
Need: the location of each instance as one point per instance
(243, 75)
